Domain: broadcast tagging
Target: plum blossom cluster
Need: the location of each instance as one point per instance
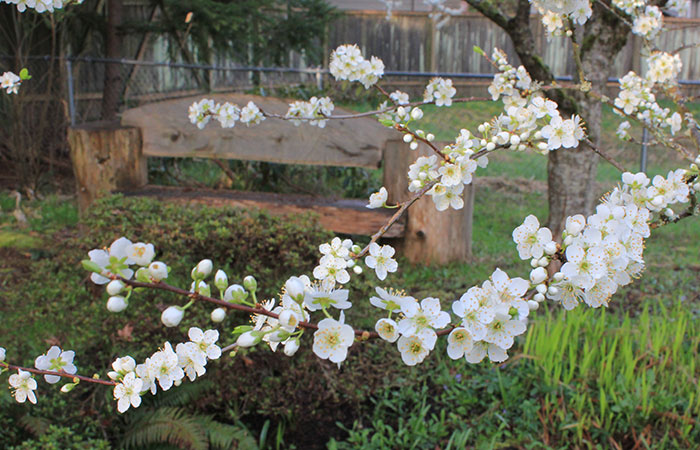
(109, 264)
(347, 63)
(603, 251)
(555, 13)
(314, 111)
(10, 82)
(440, 91)
(201, 112)
(23, 384)
(40, 6)
(165, 368)
(636, 98)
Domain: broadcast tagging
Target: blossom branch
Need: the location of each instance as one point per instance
(58, 374)
(605, 156)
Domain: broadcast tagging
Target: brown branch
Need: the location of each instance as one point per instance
(59, 374)
(605, 156)
(690, 211)
(403, 129)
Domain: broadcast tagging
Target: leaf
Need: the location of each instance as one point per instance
(91, 266)
(478, 50)
(24, 74)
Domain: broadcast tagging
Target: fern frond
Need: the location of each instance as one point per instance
(35, 425)
(167, 425)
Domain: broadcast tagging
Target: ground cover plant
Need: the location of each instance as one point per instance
(602, 392)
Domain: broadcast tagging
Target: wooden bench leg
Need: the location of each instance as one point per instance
(431, 236)
(106, 157)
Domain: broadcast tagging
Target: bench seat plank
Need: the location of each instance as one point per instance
(167, 132)
(347, 216)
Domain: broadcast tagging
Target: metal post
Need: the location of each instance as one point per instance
(71, 96)
(319, 79)
(645, 144)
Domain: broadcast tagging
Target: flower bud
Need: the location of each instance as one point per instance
(218, 315)
(558, 276)
(291, 347)
(2, 354)
(534, 263)
(277, 336)
(543, 262)
(68, 387)
(553, 290)
(221, 280)
(158, 270)
(356, 249)
(235, 293)
(490, 146)
(357, 269)
(430, 137)
(538, 275)
(533, 305)
(481, 128)
(541, 289)
(115, 287)
(288, 319)
(116, 304)
(250, 283)
(538, 298)
(407, 138)
(247, 339)
(514, 139)
(416, 114)
(568, 240)
(201, 288)
(401, 111)
(172, 316)
(668, 212)
(295, 288)
(413, 145)
(550, 248)
(203, 269)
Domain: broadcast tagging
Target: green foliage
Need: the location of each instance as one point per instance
(254, 32)
(61, 438)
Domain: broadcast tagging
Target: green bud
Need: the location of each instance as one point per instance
(478, 50)
(241, 329)
(24, 74)
(143, 275)
(250, 283)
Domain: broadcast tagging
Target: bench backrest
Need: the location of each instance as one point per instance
(167, 132)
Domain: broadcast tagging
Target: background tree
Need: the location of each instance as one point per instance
(571, 172)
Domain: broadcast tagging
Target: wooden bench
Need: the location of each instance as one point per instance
(112, 157)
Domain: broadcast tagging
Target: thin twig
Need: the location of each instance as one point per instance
(605, 156)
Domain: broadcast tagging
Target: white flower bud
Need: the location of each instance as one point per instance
(221, 280)
(115, 287)
(542, 146)
(288, 319)
(568, 240)
(356, 249)
(158, 270)
(277, 336)
(657, 201)
(668, 212)
(295, 288)
(430, 137)
(543, 262)
(483, 143)
(247, 339)
(514, 139)
(413, 145)
(416, 114)
(553, 290)
(481, 128)
(203, 269)
(538, 297)
(66, 388)
(250, 283)
(541, 289)
(407, 138)
(172, 316)
(538, 275)
(558, 276)
(490, 146)
(357, 269)
(521, 148)
(218, 315)
(291, 347)
(401, 111)
(235, 293)
(550, 248)
(416, 184)
(116, 304)
(533, 305)
(534, 263)
(524, 136)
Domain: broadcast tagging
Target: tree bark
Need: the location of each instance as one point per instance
(571, 172)
(112, 79)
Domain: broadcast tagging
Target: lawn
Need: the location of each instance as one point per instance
(621, 377)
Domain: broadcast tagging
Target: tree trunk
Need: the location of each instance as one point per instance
(112, 80)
